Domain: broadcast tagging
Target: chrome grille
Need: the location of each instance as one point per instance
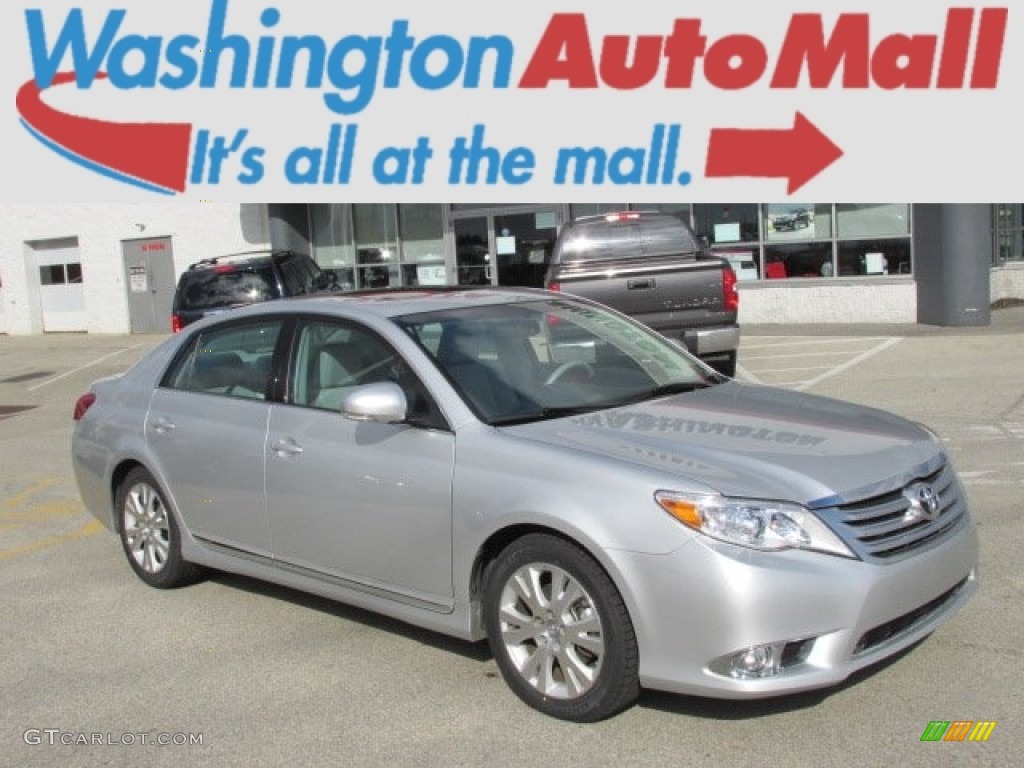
(884, 528)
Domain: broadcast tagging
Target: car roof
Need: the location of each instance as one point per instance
(393, 302)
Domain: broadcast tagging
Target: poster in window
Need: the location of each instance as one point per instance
(727, 233)
(789, 222)
(431, 275)
(876, 264)
(506, 245)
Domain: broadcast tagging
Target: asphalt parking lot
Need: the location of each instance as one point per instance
(234, 672)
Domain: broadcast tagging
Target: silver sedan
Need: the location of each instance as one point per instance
(533, 469)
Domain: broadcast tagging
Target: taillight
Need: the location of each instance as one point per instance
(555, 287)
(176, 324)
(730, 291)
(84, 404)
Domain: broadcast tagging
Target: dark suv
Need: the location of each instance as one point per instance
(235, 280)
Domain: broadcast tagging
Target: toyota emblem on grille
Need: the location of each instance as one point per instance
(924, 502)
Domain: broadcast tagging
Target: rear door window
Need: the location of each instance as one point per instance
(235, 360)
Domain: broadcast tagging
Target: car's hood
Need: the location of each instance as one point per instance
(754, 441)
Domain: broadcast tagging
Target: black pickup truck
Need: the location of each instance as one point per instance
(651, 266)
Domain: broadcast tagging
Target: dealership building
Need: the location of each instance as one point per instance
(112, 268)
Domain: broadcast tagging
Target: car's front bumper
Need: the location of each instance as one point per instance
(708, 601)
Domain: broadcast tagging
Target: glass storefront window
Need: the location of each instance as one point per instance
(872, 219)
(388, 245)
(785, 222)
(683, 208)
(1009, 224)
(524, 243)
(812, 259)
(331, 238)
(723, 224)
(576, 210)
(421, 228)
(874, 257)
(375, 228)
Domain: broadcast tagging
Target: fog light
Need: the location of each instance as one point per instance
(761, 661)
(756, 661)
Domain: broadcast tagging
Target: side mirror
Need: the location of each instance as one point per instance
(383, 403)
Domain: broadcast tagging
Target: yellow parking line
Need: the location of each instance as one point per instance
(21, 497)
(49, 511)
(90, 528)
(18, 511)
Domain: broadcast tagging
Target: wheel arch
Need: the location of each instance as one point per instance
(497, 541)
(117, 477)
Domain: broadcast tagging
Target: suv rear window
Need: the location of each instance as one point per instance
(631, 236)
(224, 286)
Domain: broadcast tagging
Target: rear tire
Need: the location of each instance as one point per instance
(149, 533)
(559, 630)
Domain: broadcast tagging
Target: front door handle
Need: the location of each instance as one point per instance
(286, 447)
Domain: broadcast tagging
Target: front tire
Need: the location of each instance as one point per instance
(149, 533)
(559, 630)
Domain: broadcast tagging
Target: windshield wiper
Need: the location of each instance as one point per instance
(549, 413)
(678, 388)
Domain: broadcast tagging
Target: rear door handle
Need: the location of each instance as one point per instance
(640, 285)
(286, 447)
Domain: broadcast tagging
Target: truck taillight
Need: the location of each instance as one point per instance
(176, 324)
(730, 291)
(84, 404)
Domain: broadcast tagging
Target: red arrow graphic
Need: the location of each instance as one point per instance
(156, 153)
(799, 153)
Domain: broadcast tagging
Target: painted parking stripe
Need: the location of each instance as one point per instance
(788, 355)
(86, 530)
(746, 375)
(806, 341)
(776, 356)
(25, 509)
(850, 363)
(81, 368)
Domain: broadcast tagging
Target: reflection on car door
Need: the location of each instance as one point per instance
(366, 503)
(207, 428)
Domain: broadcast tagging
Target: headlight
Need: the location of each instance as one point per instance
(763, 525)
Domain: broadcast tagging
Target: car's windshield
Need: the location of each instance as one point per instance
(547, 358)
